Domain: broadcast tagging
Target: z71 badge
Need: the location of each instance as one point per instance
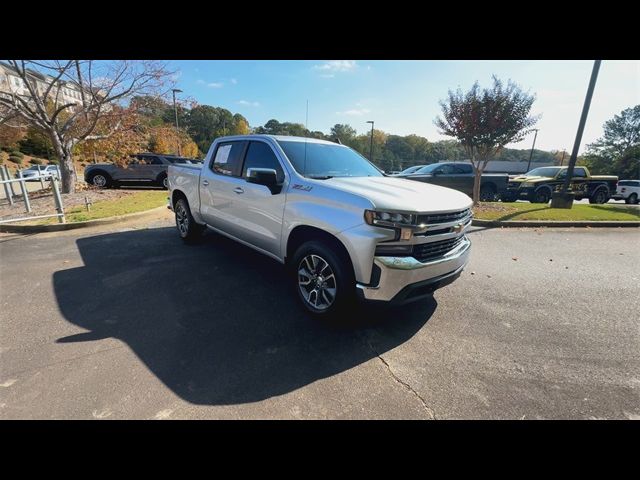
(297, 186)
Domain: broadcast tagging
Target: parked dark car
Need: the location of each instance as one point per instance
(460, 176)
(142, 168)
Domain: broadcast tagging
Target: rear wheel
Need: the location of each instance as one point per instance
(324, 281)
(488, 193)
(600, 196)
(632, 199)
(188, 229)
(100, 180)
(163, 181)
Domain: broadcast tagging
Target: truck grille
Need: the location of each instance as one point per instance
(429, 251)
(437, 218)
(513, 184)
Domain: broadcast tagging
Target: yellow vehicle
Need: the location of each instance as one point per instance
(538, 185)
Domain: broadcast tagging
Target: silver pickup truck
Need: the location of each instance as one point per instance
(343, 228)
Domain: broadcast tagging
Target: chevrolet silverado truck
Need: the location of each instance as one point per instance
(538, 185)
(344, 229)
(460, 176)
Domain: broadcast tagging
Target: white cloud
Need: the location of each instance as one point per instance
(327, 75)
(215, 85)
(355, 112)
(336, 66)
(248, 104)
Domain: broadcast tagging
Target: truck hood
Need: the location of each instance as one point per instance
(397, 194)
(532, 178)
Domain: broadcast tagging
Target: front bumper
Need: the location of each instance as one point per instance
(405, 279)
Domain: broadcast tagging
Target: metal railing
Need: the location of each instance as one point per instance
(7, 183)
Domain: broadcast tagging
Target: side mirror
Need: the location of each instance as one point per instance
(263, 176)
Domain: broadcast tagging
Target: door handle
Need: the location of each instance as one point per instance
(238, 190)
(205, 182)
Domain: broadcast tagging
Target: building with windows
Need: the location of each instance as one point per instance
(11, 83)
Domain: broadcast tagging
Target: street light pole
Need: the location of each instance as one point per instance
(564, 199)
(532, 147)
(175, 110)
(371, 144)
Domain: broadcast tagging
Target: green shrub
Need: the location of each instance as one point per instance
(53, 161)
(15, 159)
(16, 153)
(35, 161)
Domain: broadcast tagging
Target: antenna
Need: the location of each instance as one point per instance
(306, 126)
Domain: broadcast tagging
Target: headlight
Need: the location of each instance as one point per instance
(389, 219)
(527, 185)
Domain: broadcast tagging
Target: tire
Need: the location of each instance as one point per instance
(631, 199)
(323, 280)
(487, 193)
(542, 195)
(100, 179)
(599, 197)
(163, 181)
(187, 227)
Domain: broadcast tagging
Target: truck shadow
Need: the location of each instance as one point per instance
(216, 322)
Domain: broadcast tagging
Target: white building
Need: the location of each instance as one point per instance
(12, 84)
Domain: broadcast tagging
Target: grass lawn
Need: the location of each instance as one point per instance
(535, 211)
(135, 202)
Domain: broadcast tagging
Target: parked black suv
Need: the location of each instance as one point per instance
(142, 168)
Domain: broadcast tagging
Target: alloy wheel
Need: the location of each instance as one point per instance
(182, 219)
(317, 282)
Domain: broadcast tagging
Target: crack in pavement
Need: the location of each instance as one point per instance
(428, 409)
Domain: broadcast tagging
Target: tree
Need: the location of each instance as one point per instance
(95, 86)
(11, 136)
(620, 133)
(484, 121)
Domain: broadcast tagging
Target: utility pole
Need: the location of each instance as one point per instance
(371, 143)
(562, 159)
(564, 199)
(532, 147)
(175, 110)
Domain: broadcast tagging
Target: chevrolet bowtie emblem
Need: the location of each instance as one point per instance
(457, 228)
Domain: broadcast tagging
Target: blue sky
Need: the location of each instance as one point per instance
(402, 96)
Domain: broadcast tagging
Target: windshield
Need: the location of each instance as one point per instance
(327, 160)
(428, 168)
(543, 172)
(35, 167)
(410, 169)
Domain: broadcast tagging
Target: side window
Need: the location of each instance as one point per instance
(154, 161)
(228, 158)
(260, 155)
(447, 170)
(463, 169)
(579, 172)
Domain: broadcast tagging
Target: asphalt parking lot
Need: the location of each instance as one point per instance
(127, 322)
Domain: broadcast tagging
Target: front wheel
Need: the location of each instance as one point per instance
(542, 196)
(163, 181)
(188, 229)
(632, 199)
(324, 281)
(100, 180)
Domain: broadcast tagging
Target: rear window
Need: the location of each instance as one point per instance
(629, 183)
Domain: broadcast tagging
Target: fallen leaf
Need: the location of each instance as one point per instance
(515, 259)
(551, 259)
(488, 276)
(473, 273)
(567, 268)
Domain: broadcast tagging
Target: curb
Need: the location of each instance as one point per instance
(551, 223)
(59, 227)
